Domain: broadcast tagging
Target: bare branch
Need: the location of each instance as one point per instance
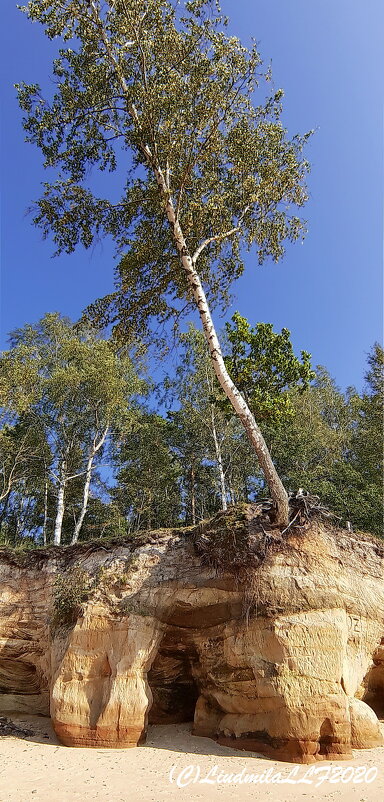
(208, 241)
(219, 237)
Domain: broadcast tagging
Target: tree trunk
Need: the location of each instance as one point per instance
(5, 507)
(60, 504)
(87, 483)
(276, 487)
(193, 497)
(45, 513)
(219, 461)
(149, 519)
(88, 476)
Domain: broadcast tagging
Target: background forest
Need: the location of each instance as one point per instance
(91, 446)
(96, 440)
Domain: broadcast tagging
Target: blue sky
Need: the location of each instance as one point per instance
(328, 57)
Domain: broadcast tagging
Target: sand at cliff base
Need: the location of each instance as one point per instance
(38, 768)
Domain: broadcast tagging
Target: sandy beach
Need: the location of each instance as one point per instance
(38, 768)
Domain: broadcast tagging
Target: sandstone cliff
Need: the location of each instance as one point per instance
(269, 644)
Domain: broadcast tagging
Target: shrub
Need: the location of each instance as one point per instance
(71, 589)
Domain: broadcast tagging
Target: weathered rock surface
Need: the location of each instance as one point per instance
(285, 658)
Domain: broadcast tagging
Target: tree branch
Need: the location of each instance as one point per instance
(216, 238)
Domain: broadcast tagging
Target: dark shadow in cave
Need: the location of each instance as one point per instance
(18, 677)
(173, 679)
(374, 694)
(326, 738)
(373, 682)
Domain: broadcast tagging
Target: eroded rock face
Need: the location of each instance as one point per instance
(373, 684)
(166, 638)
(24, 638)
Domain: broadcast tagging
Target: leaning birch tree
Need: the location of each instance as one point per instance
(160, 92)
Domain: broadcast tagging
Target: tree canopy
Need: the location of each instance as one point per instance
(77, 390)
(68, 397)
(209, 171)
(264, 367)
(164, 83)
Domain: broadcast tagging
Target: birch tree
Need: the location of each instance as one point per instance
(194, 386)
(21, 451)
(265, 369)
(332, 445)
(160, 92)
(23, 456)
(81, 393)
(148, 477)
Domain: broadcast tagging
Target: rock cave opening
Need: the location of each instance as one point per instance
(326, 738)
(374, 694)
(374, 682)
(18, 677)
(173, 680)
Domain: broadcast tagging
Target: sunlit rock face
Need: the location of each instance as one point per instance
(24, 638)
(286, 659)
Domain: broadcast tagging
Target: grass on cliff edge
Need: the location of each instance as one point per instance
(227, 540)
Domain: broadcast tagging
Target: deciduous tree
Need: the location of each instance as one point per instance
(332, 445)
(148, 477)
(264, 367)
(163, 87)
(81, 392)
(195, 388)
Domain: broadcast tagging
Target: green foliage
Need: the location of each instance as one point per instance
(161, 86)
(206, 435)
(148, 494)
(263, 366)
(189, 441)
(365, 458)
(332, 445)
(314, 437)
(104, 519)
(22, 453)
(66, 393)
(367, 441)
(24, 457)
(72, 589)
(18, 387)
(78, 380)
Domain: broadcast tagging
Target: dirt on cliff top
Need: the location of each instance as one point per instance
(33, 557)
(242, 535)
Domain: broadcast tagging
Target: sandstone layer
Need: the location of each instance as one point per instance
(283, 655)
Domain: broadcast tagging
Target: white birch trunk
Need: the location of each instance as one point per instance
(45, 513)
(276, 487)
(79, 522)
(87, 483)
(60, 504)
(219, 461)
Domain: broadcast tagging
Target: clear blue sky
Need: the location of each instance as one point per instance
(328, 57)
